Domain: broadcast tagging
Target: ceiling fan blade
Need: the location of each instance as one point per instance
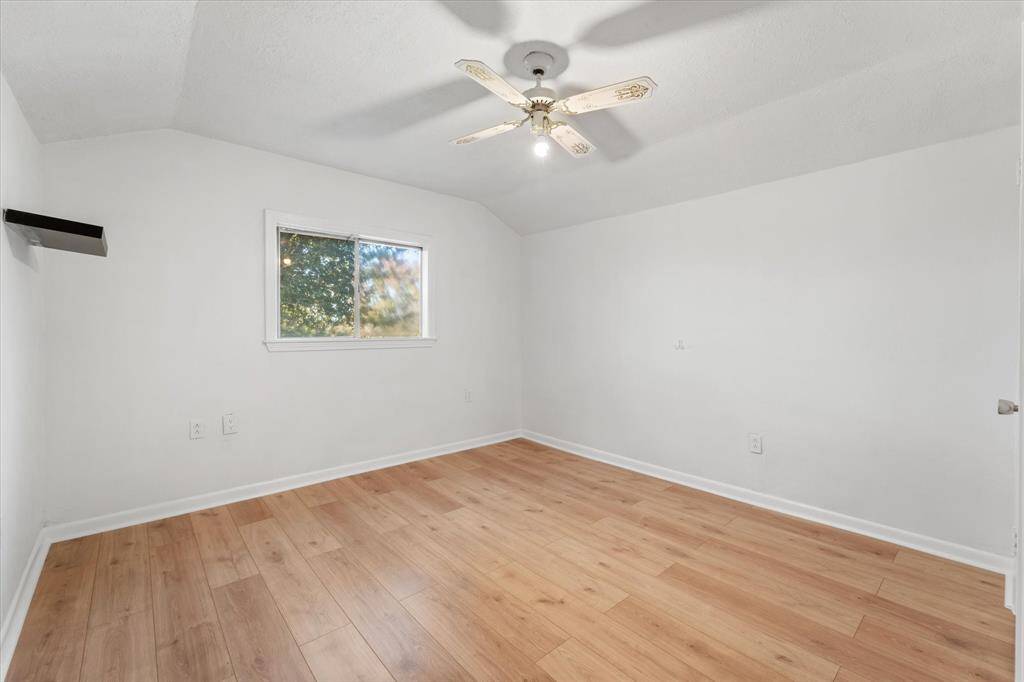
(489, 132)
(486, 77)
(569, 139)
(633, 90)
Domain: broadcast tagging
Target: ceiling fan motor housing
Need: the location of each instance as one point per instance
(539, 63)
(541, 97)
(539, 122)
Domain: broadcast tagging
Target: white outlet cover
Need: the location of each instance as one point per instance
(229, 424)
(196, 429)
(756, 443)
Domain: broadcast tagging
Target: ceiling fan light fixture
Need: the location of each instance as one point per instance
(541, 147)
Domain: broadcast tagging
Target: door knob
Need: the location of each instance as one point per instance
(1007, 407)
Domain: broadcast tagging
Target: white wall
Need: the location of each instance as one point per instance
(863, 319)
(22, 367)
(170, 326)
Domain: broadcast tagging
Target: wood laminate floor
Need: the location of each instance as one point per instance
(513, 561)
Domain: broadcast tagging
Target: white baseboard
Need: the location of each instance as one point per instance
(98, 524)
(163, 510)
(19, 603)
(942, 548)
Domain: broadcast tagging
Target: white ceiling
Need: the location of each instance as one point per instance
(748, 91)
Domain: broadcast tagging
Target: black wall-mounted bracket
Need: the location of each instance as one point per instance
(57, 233)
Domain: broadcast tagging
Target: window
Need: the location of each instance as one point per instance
(330, 288)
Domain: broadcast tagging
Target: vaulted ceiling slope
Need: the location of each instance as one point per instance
(748, 91)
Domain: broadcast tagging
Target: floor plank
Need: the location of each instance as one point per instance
(169, 531)
(711, 657)
(573, 662)
(369, 507)
(826, 610)
(122, 650)
(77, 553)
(259, 642)
(805, 553)
(480, 650)
(488, 502)
(316, 494)
(494, 607)
(623, 648)
(122, 576)
(462, 460)
(427, 497)
(399, 576)
(446, 533)
(304, 602)
(402, 645)
(344, 656)
(938, 660)
(224, 554)
(594, 591)
(298, 522)
(789, 626)
(189, 641)
(955, 639)
(792, 661)
(987, 581)
(53, 636)
(249, 511)
(534, 486)
(923, 625)
(993, 621)
(376, 482)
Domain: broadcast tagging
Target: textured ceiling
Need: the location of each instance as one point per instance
(748, 91)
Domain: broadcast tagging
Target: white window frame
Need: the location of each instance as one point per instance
(275, 220)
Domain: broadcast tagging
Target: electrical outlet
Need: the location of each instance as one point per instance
(229, 424)
(756, 443)
(468, 396)
(196, 429)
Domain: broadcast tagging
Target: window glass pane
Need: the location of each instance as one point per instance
(389, 290)
(317, 285)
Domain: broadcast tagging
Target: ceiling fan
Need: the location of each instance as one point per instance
(539, 102)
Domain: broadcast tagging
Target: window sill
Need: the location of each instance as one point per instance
(279, 345)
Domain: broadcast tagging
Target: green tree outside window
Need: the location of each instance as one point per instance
(318, 296)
